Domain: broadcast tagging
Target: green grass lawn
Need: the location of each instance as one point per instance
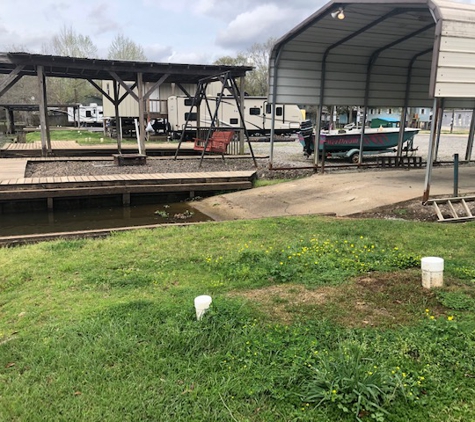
(313, 319)
(83, 137)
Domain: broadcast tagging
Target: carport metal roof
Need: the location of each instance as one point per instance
(389, 53)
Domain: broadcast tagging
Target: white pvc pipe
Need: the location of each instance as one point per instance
(202, 304)
(432, 272)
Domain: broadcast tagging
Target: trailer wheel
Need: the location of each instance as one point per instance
(354, 158)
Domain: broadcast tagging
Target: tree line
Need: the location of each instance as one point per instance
(72, 44)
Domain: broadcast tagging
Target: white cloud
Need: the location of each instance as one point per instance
(257, 25)
(158, 53)
(100, 18)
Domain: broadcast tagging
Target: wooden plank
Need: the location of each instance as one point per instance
(115, 190)
(452, 209)
(437, 211)
(467, 209)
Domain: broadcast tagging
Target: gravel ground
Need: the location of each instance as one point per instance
(286, 154)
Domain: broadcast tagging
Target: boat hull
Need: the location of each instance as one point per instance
(374, 140)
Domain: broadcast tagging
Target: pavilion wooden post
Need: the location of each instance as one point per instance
(241, 131)
(45, 136)
(141, 114)
(118, 131)
(10, 121)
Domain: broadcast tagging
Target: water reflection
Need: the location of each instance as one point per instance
(41, 222)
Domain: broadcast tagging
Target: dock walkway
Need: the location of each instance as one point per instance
(15, 187)
(12, 168)
(72, 148)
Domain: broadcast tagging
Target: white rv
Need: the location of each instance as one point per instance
(86, 115)
(257, 115)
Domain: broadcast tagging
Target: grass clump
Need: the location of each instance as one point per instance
(313, 261)
(106, 330)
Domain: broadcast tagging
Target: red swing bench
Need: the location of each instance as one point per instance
(218, 142)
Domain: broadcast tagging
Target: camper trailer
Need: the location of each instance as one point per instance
(86, 115)
(257, 115)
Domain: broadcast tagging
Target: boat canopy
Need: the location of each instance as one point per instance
(385, 53)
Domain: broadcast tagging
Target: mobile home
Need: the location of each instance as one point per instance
(257, 114)
(86, 115)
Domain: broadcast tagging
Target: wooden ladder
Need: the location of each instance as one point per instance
(456, 209)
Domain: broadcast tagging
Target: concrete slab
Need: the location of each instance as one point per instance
(337, 194)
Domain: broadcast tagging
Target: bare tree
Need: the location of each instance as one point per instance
(71, 44)
(123, 48)
(258, 57)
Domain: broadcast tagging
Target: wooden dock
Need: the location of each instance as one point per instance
(126, 185)
(16, 189)
(72, 148)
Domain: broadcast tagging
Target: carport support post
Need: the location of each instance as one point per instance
(316, 139)
(400, 142)
(363, 124)
(432, 140)
(45, 137)
(468, 153)
(439, 129)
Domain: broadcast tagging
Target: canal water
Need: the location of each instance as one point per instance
(58, 221)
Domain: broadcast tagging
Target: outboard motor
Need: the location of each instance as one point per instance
(306, 137)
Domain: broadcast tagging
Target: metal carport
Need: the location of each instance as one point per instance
(403, 53)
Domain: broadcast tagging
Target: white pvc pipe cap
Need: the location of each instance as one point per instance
(432, 263)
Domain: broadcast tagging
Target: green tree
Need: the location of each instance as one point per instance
(123, 48)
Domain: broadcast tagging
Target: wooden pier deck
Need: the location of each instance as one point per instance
(50, 189)
(72, 148)
(14, 187)
(12, 168)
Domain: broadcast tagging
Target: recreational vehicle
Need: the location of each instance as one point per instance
(257, 115)
(86, 115)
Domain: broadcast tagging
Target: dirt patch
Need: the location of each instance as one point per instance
(408, 210)
(278, 301)
(373, 300)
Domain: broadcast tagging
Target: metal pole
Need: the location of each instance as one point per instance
(323, 157)
(468, 153)
(439, 128)
(432, 140)
(456, 175)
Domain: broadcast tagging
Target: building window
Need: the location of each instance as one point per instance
(390, 111)
(423, 111)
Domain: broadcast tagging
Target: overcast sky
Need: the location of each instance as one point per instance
(177, 31)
